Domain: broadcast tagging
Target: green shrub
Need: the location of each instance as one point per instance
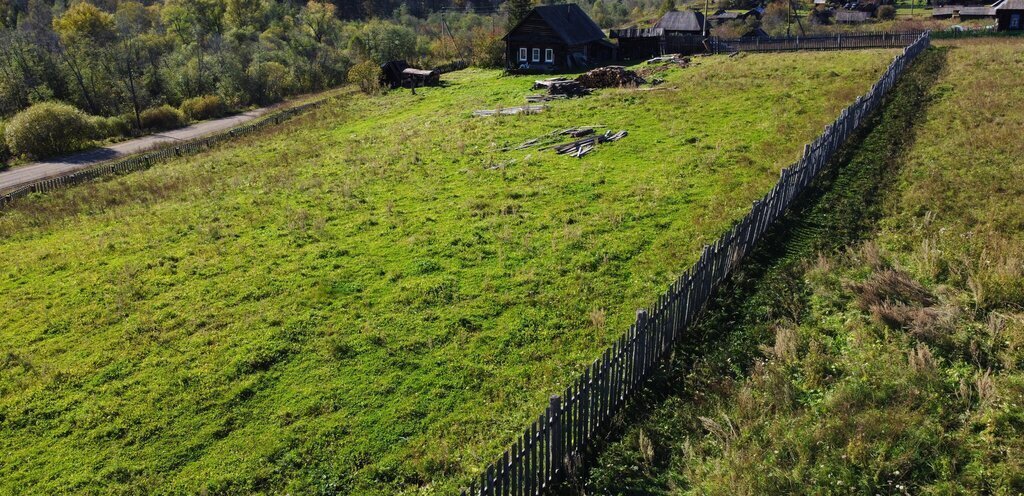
(47, 129)
(110, 127)
(886, 12)
(162, 118)
(204, 107)
(367, 76)
(269, 82)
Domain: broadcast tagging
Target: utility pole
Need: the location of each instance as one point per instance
(705, 33)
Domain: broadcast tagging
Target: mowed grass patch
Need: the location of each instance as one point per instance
(376, 299)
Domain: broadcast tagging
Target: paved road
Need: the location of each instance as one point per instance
(35, 171)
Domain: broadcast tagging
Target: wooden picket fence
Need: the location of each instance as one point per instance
(146, 160)
(557, 441)
(886, 39)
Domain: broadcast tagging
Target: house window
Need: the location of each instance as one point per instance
(522, 54)
(1015, 21)
(549, 55)
(536, 54)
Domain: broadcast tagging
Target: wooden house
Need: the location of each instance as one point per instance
(723, 16)
(676, 32)
(963, 13)
(554, 38)
(1010, 15)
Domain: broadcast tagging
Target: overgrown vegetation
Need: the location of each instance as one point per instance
(47, 129)
(377, 299)
(888, 365)
(204, 107)
(162, 118)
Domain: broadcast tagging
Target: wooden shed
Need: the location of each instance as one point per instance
(676, 32)
(554, 38)
(1010, 15)
(397, 73)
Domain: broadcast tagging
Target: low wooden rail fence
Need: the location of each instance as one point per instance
(540, 458)
(816, 42)
(146, 160)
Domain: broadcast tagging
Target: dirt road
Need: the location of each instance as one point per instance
(35, 171)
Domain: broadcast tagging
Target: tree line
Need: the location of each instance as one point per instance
(123, 67)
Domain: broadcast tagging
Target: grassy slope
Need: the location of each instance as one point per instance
(896, 365)
(358, 303)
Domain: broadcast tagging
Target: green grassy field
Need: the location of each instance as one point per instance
(376, 299)
(888, 362)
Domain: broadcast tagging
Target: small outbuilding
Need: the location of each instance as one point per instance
(1010, 15)
(676, 32)
(397, 73)
(963, 13)
(723, 16)
(555, 38)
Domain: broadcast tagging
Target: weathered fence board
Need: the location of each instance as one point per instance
(561, 435)
(145, 161)
(837, 41)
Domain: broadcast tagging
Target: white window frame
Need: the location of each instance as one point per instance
(522, 54)
(1014, 21)
(536, 54)
(549, 55)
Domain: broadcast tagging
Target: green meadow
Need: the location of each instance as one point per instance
(374, 298)
(881, 350)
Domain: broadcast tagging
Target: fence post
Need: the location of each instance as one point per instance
(641, 349)
(556, 439)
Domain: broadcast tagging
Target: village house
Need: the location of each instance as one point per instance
(555, 38)
(676, 32)
(1010, 15)
(963, 13)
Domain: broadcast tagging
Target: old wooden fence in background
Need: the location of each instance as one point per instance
(816, 42)
(540, 458)
(146, 160)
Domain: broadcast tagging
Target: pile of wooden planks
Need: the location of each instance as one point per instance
(676, 59)
(553, 137)
(584, 146)
(525, 109)
(544, 98)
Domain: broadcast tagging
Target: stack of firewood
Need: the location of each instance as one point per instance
(561, 86)
(610, 77)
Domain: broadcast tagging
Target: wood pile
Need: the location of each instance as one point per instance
(584, 146)
(612, 76)
(549, 139)
(525, 109)
(544, 98)
(561, 87)
(676, 59)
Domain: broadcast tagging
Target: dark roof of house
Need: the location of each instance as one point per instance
(681, 21)
(851, 16)
(970, 11)
(978, 11)
(569, 21)
(724, 16)
(1011, 5)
